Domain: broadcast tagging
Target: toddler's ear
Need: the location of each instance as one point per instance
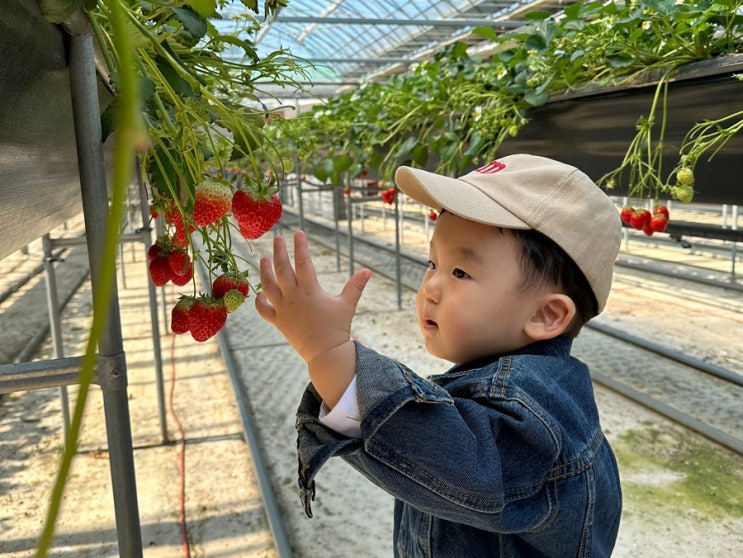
(551, 318)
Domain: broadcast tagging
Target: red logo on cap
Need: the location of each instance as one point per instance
(491, 167)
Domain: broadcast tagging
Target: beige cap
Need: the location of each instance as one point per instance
(531, 192)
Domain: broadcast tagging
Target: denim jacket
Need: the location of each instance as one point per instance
(500, 457)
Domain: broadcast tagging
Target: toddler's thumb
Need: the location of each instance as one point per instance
(355, 286)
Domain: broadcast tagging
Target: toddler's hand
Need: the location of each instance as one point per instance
(312, 320)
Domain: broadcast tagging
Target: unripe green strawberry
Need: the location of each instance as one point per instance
(683, 193)
(212, 198)
(685, 176)
(255, 216)
(179, 322)
(233, 300)
(206, 317)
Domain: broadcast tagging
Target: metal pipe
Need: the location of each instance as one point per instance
(146, 238)
(40, 374)
(722, 438)
(113, 379)
(55, 324)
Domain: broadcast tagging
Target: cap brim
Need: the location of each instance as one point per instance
(456, 196)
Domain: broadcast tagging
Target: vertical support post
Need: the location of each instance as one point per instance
(336, 203)
(55, 323)
(113, 375)
(301, 203)
(734, 249)
(398, 264)
(152, 292)
(349, 208)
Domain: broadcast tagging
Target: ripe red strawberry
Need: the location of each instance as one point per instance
(233, 300)
(181, 280)
(179, 322)
(212, 199)
(230, 281)
(180, 238)
(153, 252)
(254, 216)
(626, 214)
(658, 222)
(388, 195)
(662, 209)
(639, 219)
(160, 271)
(179, 262)
(206, 317)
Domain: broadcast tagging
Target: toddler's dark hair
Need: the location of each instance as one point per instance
(543, 262)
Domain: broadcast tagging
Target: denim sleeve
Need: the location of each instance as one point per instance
(464, 458)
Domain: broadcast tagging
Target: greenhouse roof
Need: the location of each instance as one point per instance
(347, 42)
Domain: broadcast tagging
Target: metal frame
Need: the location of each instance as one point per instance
(111, 369)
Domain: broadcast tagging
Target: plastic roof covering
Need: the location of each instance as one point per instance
(349, 41)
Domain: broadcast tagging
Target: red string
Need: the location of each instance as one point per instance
(182, 453)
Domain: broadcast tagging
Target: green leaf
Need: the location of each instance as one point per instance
(536, 99)
(486, 32)
(619, 60)
(56, 11)
(404, 150)
(320, 173)
(419, 154)
(192, 22)
(204, 8)
(342, 163)
(109, 118)
(175, 81)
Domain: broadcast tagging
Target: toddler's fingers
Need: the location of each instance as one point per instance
(264, 308)
(282, 266)
(353, 290)
(268, 280)
(303, 265)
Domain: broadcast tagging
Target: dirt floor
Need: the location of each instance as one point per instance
(682, 494)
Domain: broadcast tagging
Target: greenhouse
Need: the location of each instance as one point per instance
(485, 252)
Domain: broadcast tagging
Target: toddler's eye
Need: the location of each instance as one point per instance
(459, 274)
(430, 265)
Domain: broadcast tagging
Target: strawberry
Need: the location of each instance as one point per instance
(255, 216)
(179, 315)
(388, 195)
(626, 214)
(153, 252)
(230, 281)
(180, 238)
(233, 300)
(658, 222)
(684, 193)
(181, 280)
(179, 262)
(639, 218)
(685, 176)
(206, 317)
(160, 271)
(662, 209)
(212, 199)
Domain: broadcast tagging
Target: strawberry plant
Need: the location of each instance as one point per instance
(457, 109)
